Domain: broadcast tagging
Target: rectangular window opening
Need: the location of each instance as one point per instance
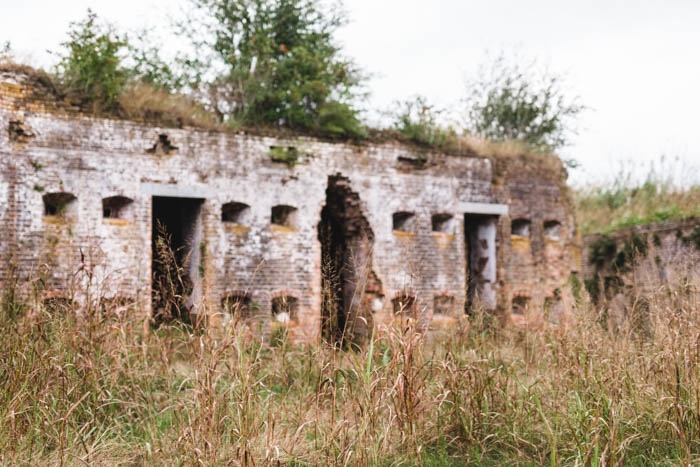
(403, 221)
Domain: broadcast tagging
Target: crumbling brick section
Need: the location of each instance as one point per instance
(625, 267)
(162, 147)
(347, 278)
(18, 133)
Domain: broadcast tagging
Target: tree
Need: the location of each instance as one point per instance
(146, 65)
(274, 63)
(507, 101)
(91, 68)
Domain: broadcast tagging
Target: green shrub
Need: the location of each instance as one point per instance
(510, 101)
(90, 69)
(417, 120)
(602, 250)
(339, 120)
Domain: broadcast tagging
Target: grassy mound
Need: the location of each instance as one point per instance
(624, 203)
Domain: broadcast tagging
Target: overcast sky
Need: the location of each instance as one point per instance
(634, 64)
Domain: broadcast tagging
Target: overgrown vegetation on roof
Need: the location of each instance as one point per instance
(275, 67)
(90, 70)
(272, 62)
(142, 101)
(38, 77)
(418, 121)
(509, 100)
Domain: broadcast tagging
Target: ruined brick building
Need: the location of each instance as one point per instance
(298, 231)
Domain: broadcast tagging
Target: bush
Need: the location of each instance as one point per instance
(91, 69)
(148, 67)
(417, 120)
(507, 101)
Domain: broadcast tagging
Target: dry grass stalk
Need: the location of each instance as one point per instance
(144, 102)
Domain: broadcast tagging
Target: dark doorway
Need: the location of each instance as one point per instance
(480, 241)
(176, 258)
(348, 283)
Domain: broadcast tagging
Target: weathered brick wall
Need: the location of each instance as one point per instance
(60, 150)
(536, 267)
(642, 257)
(625, 269)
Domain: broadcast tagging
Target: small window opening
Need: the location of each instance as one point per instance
(238, 306)
(236, 213)
(57, 204)
(403, 221)
(404, 305)
(284, 309)
(284, 215)
(520, 305)
(520, 227)
(443, 223)
(443, 305)
(115, 207)
(552, 229)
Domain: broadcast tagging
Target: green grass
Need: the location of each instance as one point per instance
(602, 209)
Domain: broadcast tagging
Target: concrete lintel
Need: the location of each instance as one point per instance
(176, 191)
(483, 208)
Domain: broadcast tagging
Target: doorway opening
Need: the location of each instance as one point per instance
(176, 264)
(348, 284)
(480, 242)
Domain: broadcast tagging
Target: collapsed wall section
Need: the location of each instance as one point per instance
(347, 243)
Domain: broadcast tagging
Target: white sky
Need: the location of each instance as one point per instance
(634, 64)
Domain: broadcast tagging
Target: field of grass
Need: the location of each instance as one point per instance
(624, 202)
(99, 390)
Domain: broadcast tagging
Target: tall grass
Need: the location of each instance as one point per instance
(143, 101)
(90, 386)
(628, 201)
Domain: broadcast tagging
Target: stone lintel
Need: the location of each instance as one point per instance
(176, 191)
(482, 208)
